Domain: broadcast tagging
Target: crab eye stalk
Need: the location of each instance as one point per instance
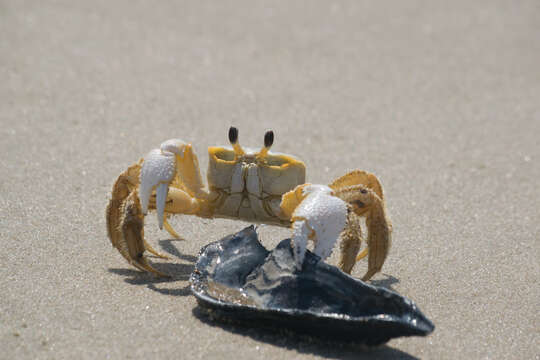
(233, 138)
(268, 139)
(233, 135)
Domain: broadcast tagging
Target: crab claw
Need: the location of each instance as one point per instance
(319, 217)
(158, 170)
(301, 234)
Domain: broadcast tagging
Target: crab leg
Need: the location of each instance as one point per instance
(125, 221)
(351, 239)
(177, 202)
(362, 254)
(363, 192)
(170, 229)
(379, 238)
(153, 251)
(132, 247)
(175, 165)
(365, 202)
(233, 139)
(268, 141)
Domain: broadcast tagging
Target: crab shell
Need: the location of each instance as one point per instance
(250, 188)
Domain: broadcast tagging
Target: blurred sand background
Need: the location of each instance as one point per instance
(440, 99)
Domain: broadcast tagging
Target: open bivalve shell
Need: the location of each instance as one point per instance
(237, 280)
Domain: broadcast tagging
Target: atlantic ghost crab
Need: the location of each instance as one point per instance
(254, 186)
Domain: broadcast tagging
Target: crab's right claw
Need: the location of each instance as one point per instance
(158, 171)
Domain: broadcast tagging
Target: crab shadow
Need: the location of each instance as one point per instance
(169, 247)
(386, 283)
(177, 272)
(306, 344)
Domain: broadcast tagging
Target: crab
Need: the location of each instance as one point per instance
(254, 186)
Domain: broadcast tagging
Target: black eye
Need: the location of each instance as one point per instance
(233, 135)
(358, 203)
(363, 191)
(268, 138)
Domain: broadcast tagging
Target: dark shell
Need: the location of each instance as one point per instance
(236, 279)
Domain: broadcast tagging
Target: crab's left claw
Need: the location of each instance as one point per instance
(319, 217)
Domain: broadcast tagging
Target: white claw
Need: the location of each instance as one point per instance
(161, 196)
(325, 214)
(175, 146)
(317, 189)
(158, 167)
(300, 236)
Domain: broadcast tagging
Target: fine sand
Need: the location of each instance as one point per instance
(440, 99)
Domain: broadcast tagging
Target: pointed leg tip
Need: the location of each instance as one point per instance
(369, 275)
(170, 230)
(161, 256)
(362, 255)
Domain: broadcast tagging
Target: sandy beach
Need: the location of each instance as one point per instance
(441, 100)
